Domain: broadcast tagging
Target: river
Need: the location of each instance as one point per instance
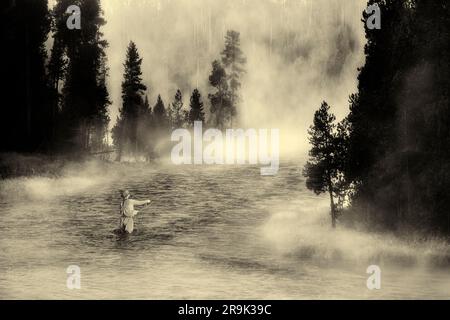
(211, 233)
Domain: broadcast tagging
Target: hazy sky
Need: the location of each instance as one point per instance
(299, 53)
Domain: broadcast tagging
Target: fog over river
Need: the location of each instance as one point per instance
(211, 232)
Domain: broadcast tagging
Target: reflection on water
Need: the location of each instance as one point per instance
(211, 232)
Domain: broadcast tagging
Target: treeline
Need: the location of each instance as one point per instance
(26, 114)
(388, 161)
(56, 99)
(140, 127)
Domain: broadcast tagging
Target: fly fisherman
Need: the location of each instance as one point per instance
(127, 211)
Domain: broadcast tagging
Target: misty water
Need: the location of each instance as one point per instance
(211, 232)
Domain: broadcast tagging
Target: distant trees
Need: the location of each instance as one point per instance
(134, 110)
(196, 108)
(154, 123)
(143, 131)
(225, 78)
(60, 103)
(141, 128)
(220, 100)
(324, 169)
(176, 112)
(160, 114)
(233, 60)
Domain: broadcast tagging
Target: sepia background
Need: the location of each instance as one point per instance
(363, 116)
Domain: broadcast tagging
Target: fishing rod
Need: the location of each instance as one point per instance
(146, 206)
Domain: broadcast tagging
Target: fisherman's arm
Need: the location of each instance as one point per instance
(141, 203)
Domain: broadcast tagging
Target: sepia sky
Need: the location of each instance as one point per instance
(299, 53)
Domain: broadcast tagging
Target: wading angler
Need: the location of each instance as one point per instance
(235, 146)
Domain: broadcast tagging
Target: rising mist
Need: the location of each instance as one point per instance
(298, 53)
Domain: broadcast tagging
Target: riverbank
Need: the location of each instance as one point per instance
(14, 165)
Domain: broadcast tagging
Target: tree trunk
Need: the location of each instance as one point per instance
(333, 209)
(119, 153)
(28, 86)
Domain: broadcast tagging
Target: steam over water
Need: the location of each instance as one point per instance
(217, 232)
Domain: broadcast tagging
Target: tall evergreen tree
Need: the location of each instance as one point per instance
(196, 108)
(220, 100)
(144, 130)
(159, 113)
(57, 65)
(175, 111)
(398, 121)
(324, 168)
(85, 98)
(159, 131)
(233, 60)
(26, 117)
(133, 107)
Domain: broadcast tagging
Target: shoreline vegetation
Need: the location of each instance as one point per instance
(389, 158)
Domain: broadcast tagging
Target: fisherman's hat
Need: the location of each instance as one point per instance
(125, 193)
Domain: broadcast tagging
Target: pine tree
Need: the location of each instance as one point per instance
(57, 64)
(382, 148)
(144, 130)
(233, 60)
(133, 107)
(196, 108)
(57, 69)
(84, 97)
(175, 111)
(220, 100)
(323, 169)
(26, 117)
(100, 118)
(159, 113)
(118, 137)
